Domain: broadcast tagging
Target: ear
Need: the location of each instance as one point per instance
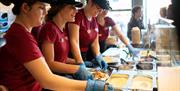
(25, 8)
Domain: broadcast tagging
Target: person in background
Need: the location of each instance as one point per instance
(84, 33)
(170, 14)
(135, 21)
(104, 22)
(54, 41)
(22, 65)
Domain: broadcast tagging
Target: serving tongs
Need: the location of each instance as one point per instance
(124, 61)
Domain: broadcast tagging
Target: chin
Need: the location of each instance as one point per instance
(71, 20)
(38, 23)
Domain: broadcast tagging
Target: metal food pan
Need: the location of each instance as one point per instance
(118, 81)
(144, 66)
(142, 82)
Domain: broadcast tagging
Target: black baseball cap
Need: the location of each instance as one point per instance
(72, 2)
(104, 4)
(47, 1)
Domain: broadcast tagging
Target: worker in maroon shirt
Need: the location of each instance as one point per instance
(84, 33)
(22, 65)
(54, 41)
(104, 22)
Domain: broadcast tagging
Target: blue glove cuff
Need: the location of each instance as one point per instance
(93, 85)
(98, 57)
(82, 73)
(130, 47)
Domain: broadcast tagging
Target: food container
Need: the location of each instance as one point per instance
(141, 82)
(111, 60)
(146, 53)
(118, 81)
(144, 66)
(98, 75)
(146, 59)
(163, 64)
(135, 35)
(125, 67)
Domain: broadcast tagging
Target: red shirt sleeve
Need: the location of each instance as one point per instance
(47, 34)
(23, 45)
(109, 22)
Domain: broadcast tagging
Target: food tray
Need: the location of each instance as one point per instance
(118, 81)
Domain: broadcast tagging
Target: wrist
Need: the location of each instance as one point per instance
(98, 56)
(79, 62)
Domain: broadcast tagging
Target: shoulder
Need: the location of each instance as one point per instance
(109, 21)
(80, 13)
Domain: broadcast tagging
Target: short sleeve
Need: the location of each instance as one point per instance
(24, 47)
(47, 33)
(109, 21)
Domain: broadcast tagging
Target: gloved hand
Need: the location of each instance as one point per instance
(88, 64)
(82, 73)
(103, 65)
(94, 85)
(131, 50)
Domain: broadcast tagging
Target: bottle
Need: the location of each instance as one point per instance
(136, 36)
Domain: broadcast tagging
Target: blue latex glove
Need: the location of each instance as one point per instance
(82, 73)
(88, 64)
(103, 65)
(94, 85)
(131, 50)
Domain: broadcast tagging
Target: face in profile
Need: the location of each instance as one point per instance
(138, 13)
(95, 10)
(37, 13)
(103, 13)
(69, 12)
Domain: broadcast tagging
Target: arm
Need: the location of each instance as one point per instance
(71, 61)
(98, 57)
(74, 40)
(95, 47)
(48, 52)
(124, 40)
(120, 35)
(50, 81)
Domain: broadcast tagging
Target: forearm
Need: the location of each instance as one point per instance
(50, 81)
(95, 47)
(74, 40)
(76, 53)
(123, 39)
(70, 61)
(59, 67)
(61, 83)
(120, 35)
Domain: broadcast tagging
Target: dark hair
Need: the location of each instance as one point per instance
(54, 10)
(17, 4)
(135, 9)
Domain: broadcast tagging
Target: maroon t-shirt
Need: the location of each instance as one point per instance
(88, 30)
(104, 30)
(21, 47)
(51, 33)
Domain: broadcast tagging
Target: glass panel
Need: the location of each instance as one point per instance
(121, 4)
